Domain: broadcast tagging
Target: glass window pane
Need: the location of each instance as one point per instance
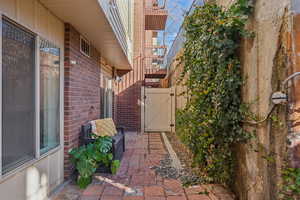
(49, 96)
(18, 99)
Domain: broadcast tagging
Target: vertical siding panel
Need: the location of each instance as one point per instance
(27, 13)
(42, 20)
(8, 7)
(34, 16)
(36, 4)
(17, 7)
(56, 29)
(52, 28)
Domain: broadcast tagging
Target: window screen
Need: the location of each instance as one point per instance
(18, 99)
(49, 96)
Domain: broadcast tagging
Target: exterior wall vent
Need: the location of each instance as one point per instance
(85, 47)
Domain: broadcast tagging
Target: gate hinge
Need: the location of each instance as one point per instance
(145, 97)
(172, 125)
(172, 94)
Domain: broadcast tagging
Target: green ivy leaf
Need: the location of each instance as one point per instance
(115, 166)
(83, 182)
(88, 158)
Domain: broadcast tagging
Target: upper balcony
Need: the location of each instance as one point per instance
(100, 22)
(155, 16)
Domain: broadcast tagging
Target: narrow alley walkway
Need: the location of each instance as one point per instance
(135, 174)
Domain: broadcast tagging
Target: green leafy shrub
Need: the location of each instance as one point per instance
(87, 159)
(211, 123)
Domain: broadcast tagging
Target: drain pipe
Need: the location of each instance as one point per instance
(281, 97)
(288, 79)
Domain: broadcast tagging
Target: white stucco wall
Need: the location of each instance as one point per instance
(34, 180)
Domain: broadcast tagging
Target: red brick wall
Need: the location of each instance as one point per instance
(128, 107)
(82, 91)
(128, 91)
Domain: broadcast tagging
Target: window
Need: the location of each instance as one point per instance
(157, 61)
(49, 96)
(154, 38)
(155, 51)
(18, 96)
(84, 46)
(21, 76)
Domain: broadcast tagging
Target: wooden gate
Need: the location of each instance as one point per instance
(158, 109)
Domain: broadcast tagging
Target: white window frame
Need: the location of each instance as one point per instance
(1, 95)
(38, 155)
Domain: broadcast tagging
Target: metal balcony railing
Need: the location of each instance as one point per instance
(157, 55)
(112, 13)
(159, 3)
(158, 50)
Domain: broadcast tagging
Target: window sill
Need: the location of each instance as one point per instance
(28, 164)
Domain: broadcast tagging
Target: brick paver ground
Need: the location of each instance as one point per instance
(136, 180)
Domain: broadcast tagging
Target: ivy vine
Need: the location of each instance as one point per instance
(290, 189)
(211, 123)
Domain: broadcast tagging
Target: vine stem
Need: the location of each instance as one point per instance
(263, 120)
